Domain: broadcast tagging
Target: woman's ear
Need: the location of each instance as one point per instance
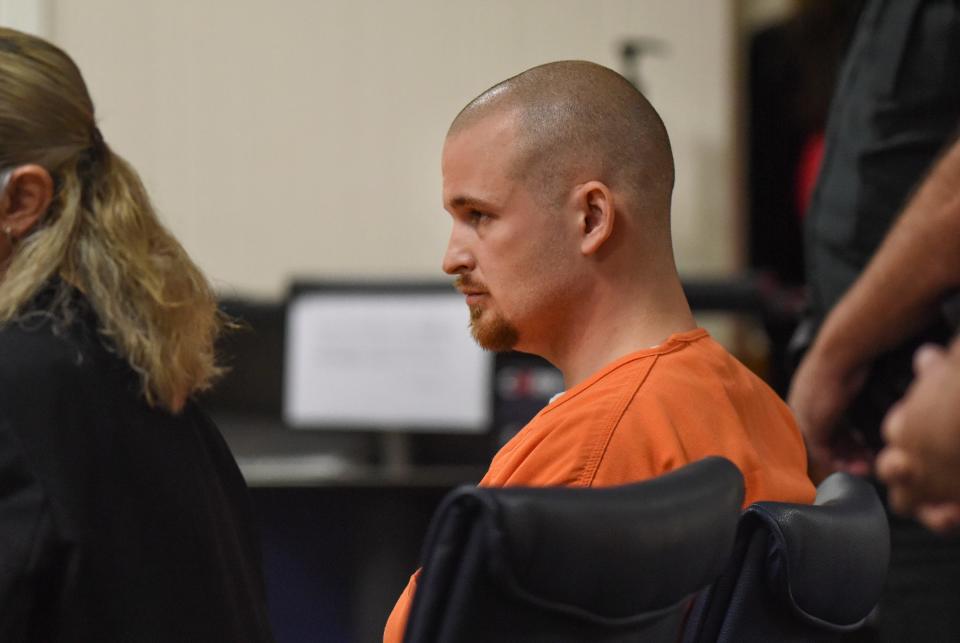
(594, 202)
(27, 196)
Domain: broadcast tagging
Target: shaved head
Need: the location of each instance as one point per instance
(579, 120)
(558, 184)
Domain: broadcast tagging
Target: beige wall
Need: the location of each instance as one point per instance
(31, 16)
(302, 137)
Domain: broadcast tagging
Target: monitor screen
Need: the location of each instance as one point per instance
(389, 358)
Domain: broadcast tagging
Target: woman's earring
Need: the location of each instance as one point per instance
(8, 233)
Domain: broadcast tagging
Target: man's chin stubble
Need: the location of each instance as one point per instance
(497, 334)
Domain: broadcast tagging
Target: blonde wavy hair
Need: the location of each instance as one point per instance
(100, 234)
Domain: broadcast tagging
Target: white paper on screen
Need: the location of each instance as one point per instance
(385, 361)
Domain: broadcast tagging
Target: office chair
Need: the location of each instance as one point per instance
(800, 573)
(565, 565)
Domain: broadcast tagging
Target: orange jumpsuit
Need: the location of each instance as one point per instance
(645, 414)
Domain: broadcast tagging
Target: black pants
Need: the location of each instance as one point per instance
(921, 601)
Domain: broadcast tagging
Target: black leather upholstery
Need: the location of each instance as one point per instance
(800, 572)
(565, 565)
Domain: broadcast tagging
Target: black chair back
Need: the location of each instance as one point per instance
(800, 573)
(559, 565)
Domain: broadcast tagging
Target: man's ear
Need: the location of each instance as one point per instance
(26, 198)
(594, 202)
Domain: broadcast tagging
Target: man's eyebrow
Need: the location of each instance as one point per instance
(471, 202)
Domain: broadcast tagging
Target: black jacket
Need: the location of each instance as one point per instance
(118, 522)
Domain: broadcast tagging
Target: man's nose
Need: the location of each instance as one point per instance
(458, 258)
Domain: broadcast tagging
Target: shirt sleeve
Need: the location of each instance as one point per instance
(397, 622)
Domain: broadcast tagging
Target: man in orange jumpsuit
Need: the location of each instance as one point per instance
(559, 183)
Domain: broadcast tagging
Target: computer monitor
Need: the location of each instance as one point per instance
(384, 357)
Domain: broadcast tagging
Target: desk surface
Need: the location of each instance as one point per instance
(272, 455)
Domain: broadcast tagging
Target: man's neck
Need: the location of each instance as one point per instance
(615, 323)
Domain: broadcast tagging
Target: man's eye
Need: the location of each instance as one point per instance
(476, 216)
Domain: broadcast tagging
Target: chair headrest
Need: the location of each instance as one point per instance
(828, 560)
(617, 552)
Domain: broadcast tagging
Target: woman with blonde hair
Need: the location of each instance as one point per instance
(123, 516)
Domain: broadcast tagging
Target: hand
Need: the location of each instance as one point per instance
(921, 462)
(819, 394)
(941, 517)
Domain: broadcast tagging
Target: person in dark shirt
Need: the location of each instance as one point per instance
(881, 267)
(123, 516)
(896, 109)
